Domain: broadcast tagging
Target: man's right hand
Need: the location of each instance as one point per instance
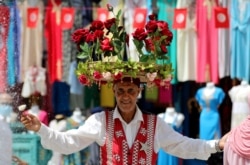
(30, 122)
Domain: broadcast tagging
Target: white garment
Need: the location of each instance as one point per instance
(129, 15)
(172, 117)
(241, 107)
(5, 143)
(224, 45)
(93, 130)
(186, 44)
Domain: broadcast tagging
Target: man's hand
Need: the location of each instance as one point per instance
(223, 140)
(30, 122)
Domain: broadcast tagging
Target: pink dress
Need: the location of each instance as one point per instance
(207, 42)
(237, 148)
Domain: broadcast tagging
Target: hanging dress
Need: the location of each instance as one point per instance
(13, 44)
(31, 37)
(224, 45)
(240, 39)
(53, 35)
(186, 44)
(129, 8)
(166, 10)
(207, 42)
(4, 27)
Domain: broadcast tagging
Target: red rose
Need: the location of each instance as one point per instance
(140, 34)
(118, 76)
(106, 45)
(162, 25)
(109, 7)
(164, 49)
(96, 25)
(98, 34)
(97, 75)
(151, 26)
(90, 37)
(79, 35)
(152, 17)
(149, 45)
(168, 34)
(83, 79)
(108, 23)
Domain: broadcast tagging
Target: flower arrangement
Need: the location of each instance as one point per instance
(102, 52)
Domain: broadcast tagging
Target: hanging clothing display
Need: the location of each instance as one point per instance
(187, 44)
(240, 37)
(60, 98)
(53, 34)
(13, 46)
(31, 37)
(4, 25)
(129, 8)
(207, 42)
(224, 49)
(34, 82)
(166, 10)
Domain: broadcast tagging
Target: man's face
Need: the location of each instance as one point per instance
(126, 96)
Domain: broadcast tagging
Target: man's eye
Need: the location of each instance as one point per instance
(131, 91)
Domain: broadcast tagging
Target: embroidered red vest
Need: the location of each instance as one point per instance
(116, 151)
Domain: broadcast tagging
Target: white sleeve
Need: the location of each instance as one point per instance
(181, 146)
(93, 130)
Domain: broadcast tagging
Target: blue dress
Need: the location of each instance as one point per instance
(210, 127)
(240, 40)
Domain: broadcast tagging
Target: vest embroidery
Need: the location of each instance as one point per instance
(116, 149)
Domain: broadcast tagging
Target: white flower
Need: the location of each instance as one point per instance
(107, 75)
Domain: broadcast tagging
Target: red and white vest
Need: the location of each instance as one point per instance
(116, 151)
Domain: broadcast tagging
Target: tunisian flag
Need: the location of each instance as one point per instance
(180, 16)
(221, 17)
(67, 17)
(140, 17)
(102, 14)
(32, 17)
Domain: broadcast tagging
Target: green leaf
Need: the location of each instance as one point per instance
(144, 58)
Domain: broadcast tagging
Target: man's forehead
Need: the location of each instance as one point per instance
(125, 84)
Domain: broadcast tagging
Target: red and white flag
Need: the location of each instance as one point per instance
(180, 17)
(67, 17)
(102, 14)
(32, 17)
(140, 16)
(221, 17)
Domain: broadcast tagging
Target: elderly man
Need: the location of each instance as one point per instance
(126, 134)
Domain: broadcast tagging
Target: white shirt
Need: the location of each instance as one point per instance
(93, 130)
